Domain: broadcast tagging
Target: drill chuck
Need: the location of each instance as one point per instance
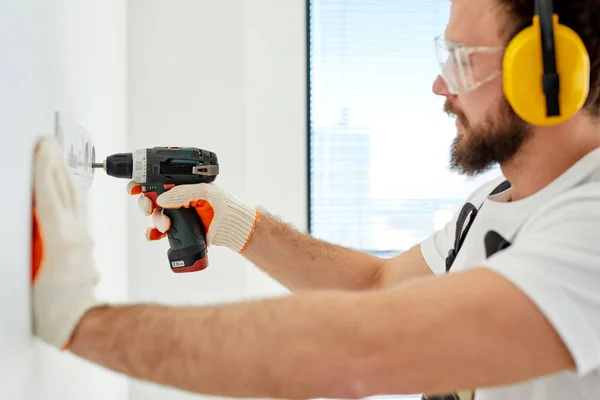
(119, 165)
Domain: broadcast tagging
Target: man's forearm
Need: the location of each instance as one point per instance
(301, 262)
(335, 344)
(241, 350)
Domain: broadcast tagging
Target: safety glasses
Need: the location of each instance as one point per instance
(465, 68)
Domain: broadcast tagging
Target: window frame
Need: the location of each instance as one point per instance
(308, 37)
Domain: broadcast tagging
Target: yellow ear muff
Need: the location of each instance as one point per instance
(523, 70)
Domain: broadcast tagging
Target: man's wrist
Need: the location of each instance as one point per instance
(68, 345)
(262, 234)
(58, 331)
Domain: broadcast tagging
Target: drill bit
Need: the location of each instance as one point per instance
(98, 165)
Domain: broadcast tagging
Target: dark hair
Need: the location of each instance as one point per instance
(583, 16)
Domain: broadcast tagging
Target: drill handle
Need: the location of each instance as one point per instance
(187, 241)
(188, 250)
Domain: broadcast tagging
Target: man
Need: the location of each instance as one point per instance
(519, 323)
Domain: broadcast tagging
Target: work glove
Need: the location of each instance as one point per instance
(63, 272)
(227, 221)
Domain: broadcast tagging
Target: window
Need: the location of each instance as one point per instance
(378, 138)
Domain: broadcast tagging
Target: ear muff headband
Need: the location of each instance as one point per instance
(550, 79)
(546, 70)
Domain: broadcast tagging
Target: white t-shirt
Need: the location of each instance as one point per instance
(554, 259)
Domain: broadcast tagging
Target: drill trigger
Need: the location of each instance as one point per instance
(153, 196)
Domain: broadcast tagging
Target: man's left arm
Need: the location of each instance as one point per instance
(467, 330)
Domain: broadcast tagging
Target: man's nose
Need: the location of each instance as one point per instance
(440, 88)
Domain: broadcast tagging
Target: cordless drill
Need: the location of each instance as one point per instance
(159, 169)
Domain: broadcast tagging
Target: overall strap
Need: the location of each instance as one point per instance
(467, 215)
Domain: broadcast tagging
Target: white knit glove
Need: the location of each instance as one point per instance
(63, 273)
(227, 221)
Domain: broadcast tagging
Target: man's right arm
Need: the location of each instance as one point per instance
(301, 262)
(297, 260)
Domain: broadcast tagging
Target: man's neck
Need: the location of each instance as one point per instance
(548, 154)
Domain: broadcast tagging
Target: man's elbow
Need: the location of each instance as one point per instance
(404, 267)
(356, 381)
(370, 377)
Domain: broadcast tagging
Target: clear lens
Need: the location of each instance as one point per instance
(456, 67)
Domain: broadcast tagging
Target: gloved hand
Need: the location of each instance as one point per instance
(227, 221)
(63, 273)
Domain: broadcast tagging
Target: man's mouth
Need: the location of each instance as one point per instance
(452, 113)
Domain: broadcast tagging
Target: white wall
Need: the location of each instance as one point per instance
(228, 76)
(66, 55)
(276, 116)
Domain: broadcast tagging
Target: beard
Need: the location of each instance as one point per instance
(496, 140)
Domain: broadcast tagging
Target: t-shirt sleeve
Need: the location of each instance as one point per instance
(435, 248)
(555, 261)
